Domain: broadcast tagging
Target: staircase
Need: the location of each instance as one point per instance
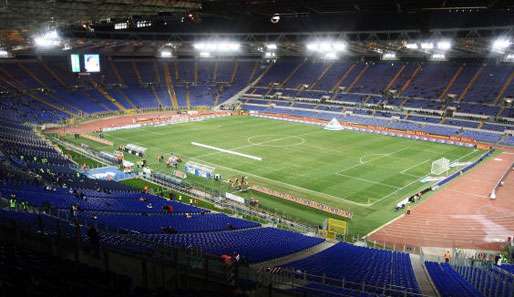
(234, 72)
(116, 73)
(425, 283)
(482, 122)
(357, 78)
(53, 74)
(215, 71)
(121, 82)
(504, 88)
(9, 80)
(320, 77)
(142, 83)
(395, 78)
(254, 70)
(218, 95)
(470, 84)
(154, 92)
(195, 74)
(410, 80)
(34, 77)
(342, 78)
(136, 72)
(291, 74)
(451, 82)
(188, 98)
(107, 96)
(169, 87)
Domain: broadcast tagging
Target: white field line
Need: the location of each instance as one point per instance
(272, 181)
(226, 151)
(368, 181)
(366, 162)
(416, 180)
(414, 166)
(260, 143)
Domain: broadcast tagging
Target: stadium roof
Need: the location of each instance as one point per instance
(370, 27)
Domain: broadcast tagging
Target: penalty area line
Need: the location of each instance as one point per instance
(226, 151)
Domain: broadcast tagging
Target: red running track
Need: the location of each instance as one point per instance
(460, 215)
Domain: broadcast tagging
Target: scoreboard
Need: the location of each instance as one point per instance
(86, 63)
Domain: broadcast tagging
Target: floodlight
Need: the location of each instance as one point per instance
(509, 58)
(326, 46)
(269, 55)
(501, 44)
(217, 46)
(271, 46)
(205, 54)
(339, 46)
(389, 56)
(411, 45)
(199, 45)
(427, 45)
(444, 45)
(312, 46)
(4, 53)
(438, 57)
(48, 39)
(166, 53)
(330, 56)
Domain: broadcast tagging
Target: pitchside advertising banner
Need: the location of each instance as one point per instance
(235, 198)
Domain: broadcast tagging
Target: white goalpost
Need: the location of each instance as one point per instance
(440, 166)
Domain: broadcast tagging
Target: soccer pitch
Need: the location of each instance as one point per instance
(360, 172)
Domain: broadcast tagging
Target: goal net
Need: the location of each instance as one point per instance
(334, 125)
(440, 166)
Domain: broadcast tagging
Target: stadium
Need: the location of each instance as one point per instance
(257, 148)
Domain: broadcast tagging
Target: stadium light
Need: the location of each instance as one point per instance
(269, 55)
(48, 39)
(509, 58)
(500, 45)
(427, 45)
(411, 45)
(438, 57)
(389, 56)
(121, 26)
(205, 54)
(4, 53)
(330, 56)
(166, 53)
(271, 46)
(217, 46)
(327, 49)
(444, 45)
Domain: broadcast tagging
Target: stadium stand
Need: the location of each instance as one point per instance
(449, 282)
(378, 268)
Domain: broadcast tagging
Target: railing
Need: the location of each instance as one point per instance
(486, 281)
(289, 279)
(492, 195)
(192, 262)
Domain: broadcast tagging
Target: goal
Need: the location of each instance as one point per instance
(440, 166)
(334, 125)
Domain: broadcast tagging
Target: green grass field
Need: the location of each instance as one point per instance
(367, 174)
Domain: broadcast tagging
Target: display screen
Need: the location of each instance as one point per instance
(75, 63)
(92, 63)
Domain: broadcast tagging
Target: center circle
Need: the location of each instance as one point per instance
(270, 140)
